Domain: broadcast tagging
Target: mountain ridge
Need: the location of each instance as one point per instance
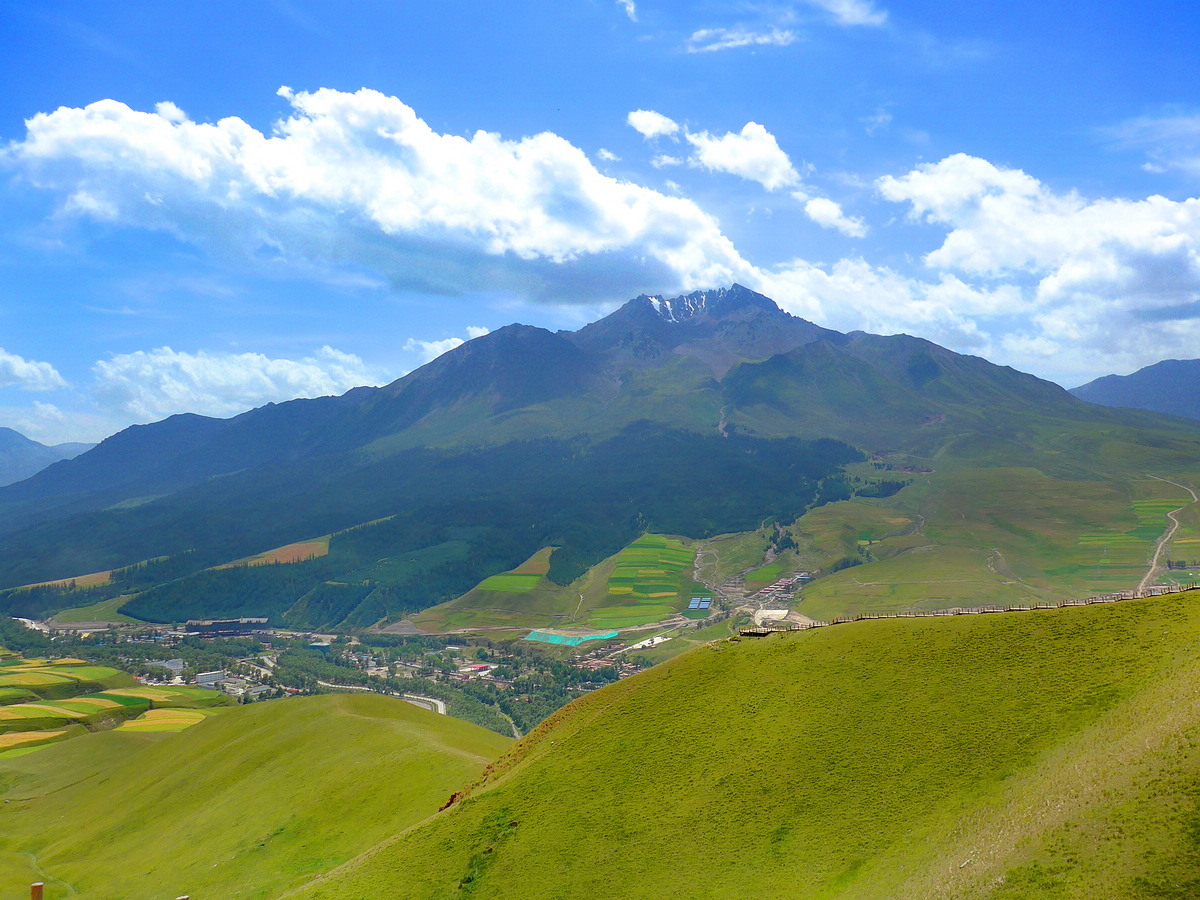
(22, 457)
(1171, 386)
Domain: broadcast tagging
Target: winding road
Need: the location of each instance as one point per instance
(1166, 538)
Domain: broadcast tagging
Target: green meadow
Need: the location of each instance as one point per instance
(971, 537)
(520, 598)
(248, 803)
(1040, 754)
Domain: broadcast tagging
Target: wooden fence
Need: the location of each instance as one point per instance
(1157, 590)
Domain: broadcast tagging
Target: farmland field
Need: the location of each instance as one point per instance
(289, 553)
(165, 720)
(521, 598)
(648, 582)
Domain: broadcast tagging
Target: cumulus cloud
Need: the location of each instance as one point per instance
(828, 214)
(1111, 277)
(431, 350)
(150, 385)
(753, 154)
(630, 9)
(608, 155)
(852, 12)
(663, 159)
(853, 294)
(1004, 221)
(651, 124)
(16, 371)
(709, 40)
(360, 178)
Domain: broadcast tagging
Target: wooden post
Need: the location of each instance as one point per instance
(35, 890)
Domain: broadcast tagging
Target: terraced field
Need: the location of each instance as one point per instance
(61, 698)
(648, 582)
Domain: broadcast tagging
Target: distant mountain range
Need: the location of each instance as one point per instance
(1171, 386)
(698, 414)
(21, 457)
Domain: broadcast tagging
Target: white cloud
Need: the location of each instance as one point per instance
(361, 179)
(853, 294)
(608, 155)
(663, 160)
(150, 385)
(852, 12)
(431, 350)
(1171, 141)
(651, 124)
(753, 154)
(630, 9)
(709, 40)
(828, 214)
(15, 371)
(1004, 221)
(170, 112)
(1109, 279)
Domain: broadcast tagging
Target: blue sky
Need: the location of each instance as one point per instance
(209, 206)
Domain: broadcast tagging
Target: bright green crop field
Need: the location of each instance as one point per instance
(648, 581)
(1023, 755)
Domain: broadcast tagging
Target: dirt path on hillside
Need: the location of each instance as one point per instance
(1167, 535)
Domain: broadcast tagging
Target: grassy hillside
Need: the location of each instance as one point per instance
(244, 804)
(1036, 754)
(969, 536)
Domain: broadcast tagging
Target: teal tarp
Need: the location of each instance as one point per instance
(572, 641)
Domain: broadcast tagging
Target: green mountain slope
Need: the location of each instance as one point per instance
(681, 416)
(246, 804)
(1023, 755)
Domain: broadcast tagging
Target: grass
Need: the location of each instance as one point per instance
(104, 611)
(968, 537)
(1049, 753)
(247, 804)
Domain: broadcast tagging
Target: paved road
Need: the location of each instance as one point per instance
(430, 703)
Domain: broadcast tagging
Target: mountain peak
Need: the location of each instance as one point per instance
(716, 301)
(720, 327)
